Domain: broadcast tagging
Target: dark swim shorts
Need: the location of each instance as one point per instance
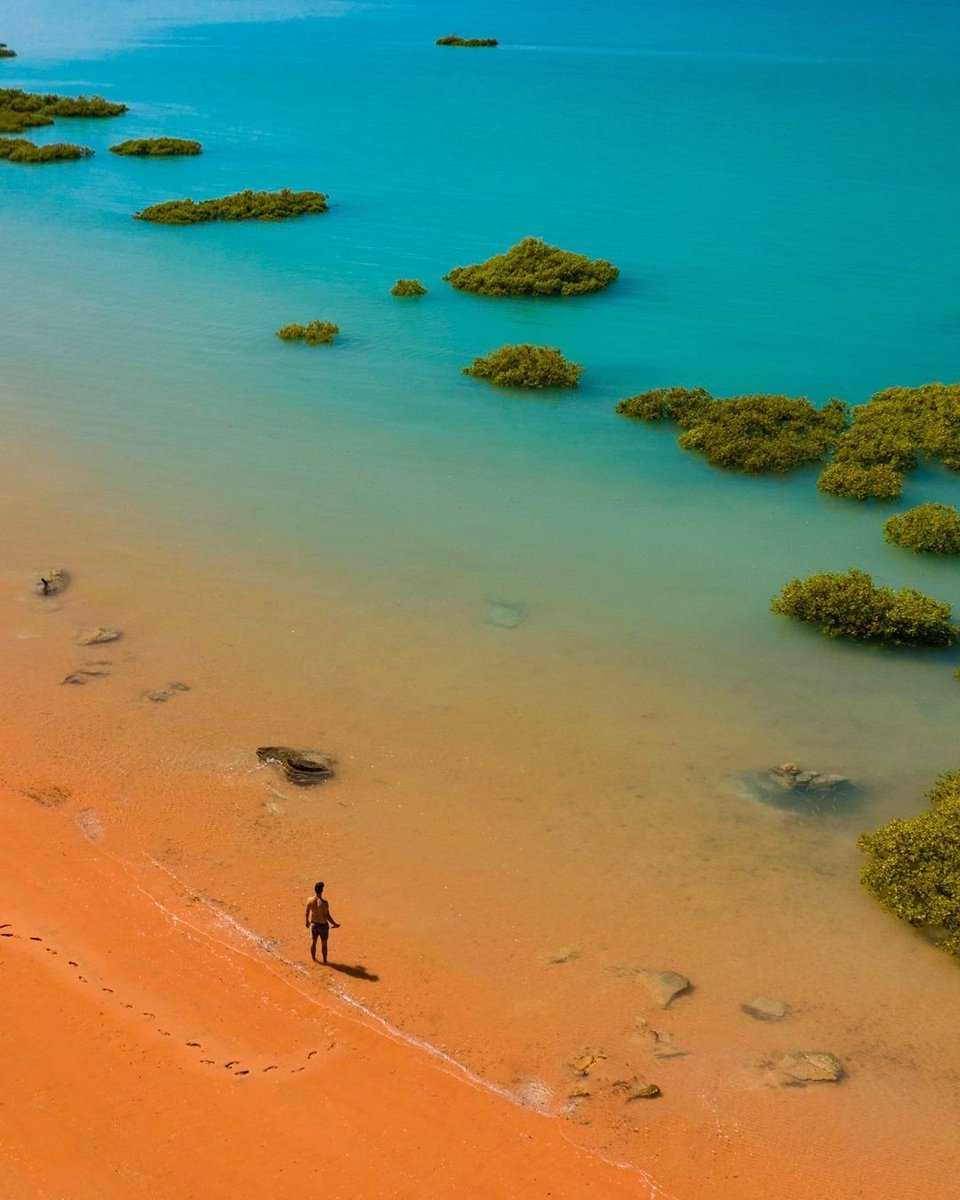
(320, 929)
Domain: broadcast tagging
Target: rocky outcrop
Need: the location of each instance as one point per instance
(48, 583)
(792, 778)
(93, 637)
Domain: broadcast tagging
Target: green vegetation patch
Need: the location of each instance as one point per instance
(6, 52)
(684, 406)
(896, 429)
(526, 366)
(408, 287)
(849, 604)
(914, 865)
(157, 147)
(314, 333)
(451, 39)
(20, 110)
(927, 529)
(19, 150)
(242, 206)
(532, 268)
(879, 481)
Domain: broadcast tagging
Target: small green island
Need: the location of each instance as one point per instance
(926, 529)
(6, 52)
(526, 366)
(19, 150)
(451, 39)
(408, 287)
(913, 867)
(848, 604)
(156, 147)
(241, 206)
(533, 268)
(21, 110)
(314, 333)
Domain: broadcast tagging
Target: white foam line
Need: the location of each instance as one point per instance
(447, 1063)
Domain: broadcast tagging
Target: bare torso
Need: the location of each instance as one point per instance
(318, 911)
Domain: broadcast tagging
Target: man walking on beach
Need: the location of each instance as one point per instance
(319, 919)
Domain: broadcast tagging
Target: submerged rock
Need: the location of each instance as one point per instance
(48, 583)
(301, 767)
(664, 986)
(762, 1008)
(792, 778)
(505, 614)
(93, 637)
(811, 1066)
(657, 1041)
(789, 786)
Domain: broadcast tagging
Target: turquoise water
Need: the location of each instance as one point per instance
(778, 188)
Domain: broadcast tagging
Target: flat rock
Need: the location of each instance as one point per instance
(659, 1043)
(811, 1066)
(664, 986)
(505, 614)
(762, 1008)
(93, 637)
(301, 767)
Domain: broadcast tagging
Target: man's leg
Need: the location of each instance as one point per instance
(323, 944)
(313, 946)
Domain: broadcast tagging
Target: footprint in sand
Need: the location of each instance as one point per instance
(36, 939)
(207, 1060)
(196, 1045)
(72, 963)
(241, 1072)
(165, 1032)
(311, 1054)
(106, 989)
(83, 979)
(8, 935)
(5, 925)
(154, 1015)
(271, 1068)
(123, 1004)
(232, 1063)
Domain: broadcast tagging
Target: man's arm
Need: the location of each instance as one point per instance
(334, 924)
(307, 913)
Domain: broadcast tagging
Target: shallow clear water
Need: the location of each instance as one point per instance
(779, 190)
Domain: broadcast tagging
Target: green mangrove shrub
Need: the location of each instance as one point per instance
(6, 52)
(879, 481)
(19, 150)
(408, 287)
(241, 206)
(314, 333)
(849, 604)
(20, 110)
(926, 529)
(683, 406)
(156, 147)
(913, 866)
(526, 366)
(532, 268)
(764, 434)
(896, 428)
(451, 39)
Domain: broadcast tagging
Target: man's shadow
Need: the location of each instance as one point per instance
(357, 972)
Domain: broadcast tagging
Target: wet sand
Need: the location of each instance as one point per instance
(501, 868)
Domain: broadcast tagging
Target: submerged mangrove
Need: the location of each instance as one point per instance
(914, 865)
(19, 150)
(408, 287)
(451, 39)
(314, 333)
(848, 604)
(156, 147)
(926, 529)
(241, 206)
(526, 366)
(6, 52)
(532, 268)
(20, 110)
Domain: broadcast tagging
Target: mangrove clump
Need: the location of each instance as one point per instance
(895, 429)
(532, 268)
(878, 481)
(764, 434)
(241, 206)
(156, 147)
(914, 865)
(526, 366)
(408, 287)
(6, 52)
(451, 39)
(314, 333)
(683, 406)
(20, 110)
(19, 150)
(849, 604)
(926, 529)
